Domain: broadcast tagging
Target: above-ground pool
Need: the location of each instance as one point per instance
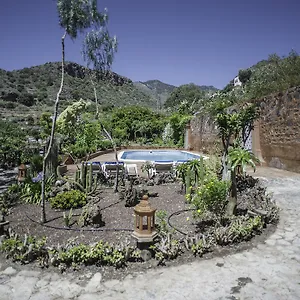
(156, 155)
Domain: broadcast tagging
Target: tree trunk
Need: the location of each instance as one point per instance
(231, 207)
(43, 212)
(52, 160)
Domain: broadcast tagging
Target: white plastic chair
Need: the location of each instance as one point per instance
(161, 167)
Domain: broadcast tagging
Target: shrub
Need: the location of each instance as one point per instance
(210, 197)
(69, 199)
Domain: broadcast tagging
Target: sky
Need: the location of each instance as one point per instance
(201, 41)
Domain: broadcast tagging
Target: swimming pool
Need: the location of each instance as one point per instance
(156, 155)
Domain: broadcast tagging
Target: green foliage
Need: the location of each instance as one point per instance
(36, 164)
(210, 197)
(31, 190)
(244, 75)
(266, 77)
(166, 249)
(236, 126)
(178, 123)
(68, 121)
(9, 198)
(83, 134)
(98, 254)
(76, 16)
(45, 123)
(24, 250)
(146, 167)
(162, 225)
(239, 229)
(192, 173)
(68, 200)
(12, 143)
(198, 244)
(133, 122)
(99, 49)
(68, 218)
(187, 97)
(239, 158)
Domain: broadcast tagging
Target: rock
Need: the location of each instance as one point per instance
(150, 182)
(91, 215)
(94, 285)
(9, 271)
(59, 183)
(28, 273)
(66, 187)
(112, 283)
(146, 255)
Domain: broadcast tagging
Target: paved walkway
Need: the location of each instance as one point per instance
(270, 271)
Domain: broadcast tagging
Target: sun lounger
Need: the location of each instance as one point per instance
(161, 167)
(131, 170)
(110, 169)
(96, 165)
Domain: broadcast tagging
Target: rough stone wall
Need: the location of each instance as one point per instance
(203, 133)
(280, 129)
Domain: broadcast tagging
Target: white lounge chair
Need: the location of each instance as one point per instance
(110, 169)
(131, 170)
(161, 167)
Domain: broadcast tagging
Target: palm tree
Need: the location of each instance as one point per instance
(238, 159)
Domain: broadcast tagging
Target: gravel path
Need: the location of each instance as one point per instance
(269, 271)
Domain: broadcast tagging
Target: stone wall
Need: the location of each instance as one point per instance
(276, 137)
(279, 129)
(202, 134)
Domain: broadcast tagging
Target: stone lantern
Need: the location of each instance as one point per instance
(22, 173)
(144, 229)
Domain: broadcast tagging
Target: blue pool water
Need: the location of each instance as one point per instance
(157, 155)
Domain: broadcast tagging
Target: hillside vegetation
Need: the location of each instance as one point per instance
(276, 74)
(156, 89)
(32, 90)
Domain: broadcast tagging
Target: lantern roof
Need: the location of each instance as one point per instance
(22, 167)
(144, 206)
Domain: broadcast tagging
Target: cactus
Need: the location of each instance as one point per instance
(201, 171)
(188, 181)
(84, 178)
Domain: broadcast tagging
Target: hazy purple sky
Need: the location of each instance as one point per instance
(205, 42)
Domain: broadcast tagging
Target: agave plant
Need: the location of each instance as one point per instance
(239, 158)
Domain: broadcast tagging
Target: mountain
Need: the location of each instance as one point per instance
(31, 90)
(161, 91)
(156, 89)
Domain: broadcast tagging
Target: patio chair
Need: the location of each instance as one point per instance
(109, 169)
(131, 170)
(161, 167)
(96, 165)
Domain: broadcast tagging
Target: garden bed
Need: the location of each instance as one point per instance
(115, 215)
(119, 220)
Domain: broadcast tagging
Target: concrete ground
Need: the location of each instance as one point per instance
(269, 271)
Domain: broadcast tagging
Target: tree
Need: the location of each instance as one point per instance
(75, 16)
(98, 52)
(189, 95)
(244, 75)
(232, 132)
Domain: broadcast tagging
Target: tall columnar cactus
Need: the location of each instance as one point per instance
(84, 178)
(201, 170)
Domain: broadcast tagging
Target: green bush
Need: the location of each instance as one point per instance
(210, 197)
(69, 199)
